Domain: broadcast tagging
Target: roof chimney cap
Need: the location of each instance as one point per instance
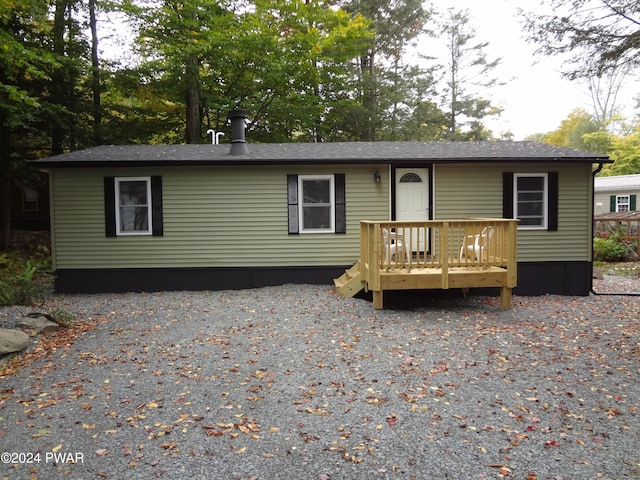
(237, 113)
(238, 116)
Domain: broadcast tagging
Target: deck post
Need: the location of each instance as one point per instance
(512, 252)
(365, 256)
(444, 253)
(375, 254)
(377, 300)
(505, 297)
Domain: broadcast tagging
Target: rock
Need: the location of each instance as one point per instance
(12, 341)
(40, 314)
(40, 323)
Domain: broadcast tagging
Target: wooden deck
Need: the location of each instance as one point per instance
(469, 253)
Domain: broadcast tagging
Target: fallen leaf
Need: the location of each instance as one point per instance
(504, 471)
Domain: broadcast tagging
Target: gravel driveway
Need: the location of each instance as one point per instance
(293, 382)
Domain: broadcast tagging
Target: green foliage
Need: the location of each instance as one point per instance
(610, 249)
(468, 75)
(386, 90)
(288, 63)
(572, 131)
(138, 111)
(24, 281)
(580, 130)
(305, 70)
(625, 152)
(30, 69)
(40, 89)
(599, 142)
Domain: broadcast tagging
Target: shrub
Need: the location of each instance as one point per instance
(610, 249)
(24, 281)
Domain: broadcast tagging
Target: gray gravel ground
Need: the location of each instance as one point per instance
(293, 382)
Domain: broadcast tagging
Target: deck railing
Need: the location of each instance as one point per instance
(474, 243)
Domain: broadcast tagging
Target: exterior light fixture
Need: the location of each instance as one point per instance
(376, 177)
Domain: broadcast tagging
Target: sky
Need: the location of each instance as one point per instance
(537, 98)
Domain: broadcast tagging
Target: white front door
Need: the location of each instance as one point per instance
(412, 200)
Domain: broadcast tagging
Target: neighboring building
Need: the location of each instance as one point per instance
(193, 217)
(618, 193)
(30, 205)
(616, 208)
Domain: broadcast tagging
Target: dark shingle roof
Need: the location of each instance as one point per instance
(319, 153)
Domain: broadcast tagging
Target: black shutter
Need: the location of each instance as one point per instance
(612, 203)
(632, 203)
(109, 207)
(292, 201)
(507, 194)
(156, 206)
(552, 201)
(341, 207)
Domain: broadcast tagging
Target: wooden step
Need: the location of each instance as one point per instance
(348, 274)
(349, 283)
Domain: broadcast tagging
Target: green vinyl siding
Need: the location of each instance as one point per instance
(213, 216)
(476, 191)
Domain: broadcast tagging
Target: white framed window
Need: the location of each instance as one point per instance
(133, 205)
(623, 203)
(317, 203)
(530, 200)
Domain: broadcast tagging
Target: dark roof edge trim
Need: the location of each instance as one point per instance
(43, 163)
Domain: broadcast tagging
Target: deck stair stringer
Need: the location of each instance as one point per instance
(350, 282)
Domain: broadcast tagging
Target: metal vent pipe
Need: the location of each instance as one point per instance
(238, 143)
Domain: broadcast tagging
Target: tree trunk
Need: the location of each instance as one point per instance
(453, 85)
(5, 185)
(373, 98)
(95, 83)
(317, 133)
(5, 214)
(58, 83)
(369, 95)
(193, 121)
